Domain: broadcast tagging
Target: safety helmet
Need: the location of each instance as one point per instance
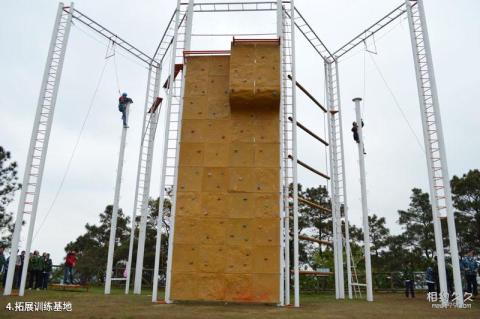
(124, 94)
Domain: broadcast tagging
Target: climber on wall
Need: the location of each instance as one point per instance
(123, 102)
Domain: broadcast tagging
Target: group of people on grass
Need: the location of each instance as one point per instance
(38, 272)
(39, 269)
(469, 268)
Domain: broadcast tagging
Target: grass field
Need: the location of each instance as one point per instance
(93, 304)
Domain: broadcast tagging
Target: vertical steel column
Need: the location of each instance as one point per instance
(283, 231)
(440, 192)
(296, 273)
(155, 76)
(187, 45)
(32, 178)
(363, 183)
(116, 200)
(171, 79)
(286, 102)
(329, 82)
(341, 191)
(344, 193)
(137, 184)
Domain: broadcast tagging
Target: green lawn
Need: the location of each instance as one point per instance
(94, 304)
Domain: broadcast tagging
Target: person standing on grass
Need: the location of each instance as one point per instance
(36, 263)
(30, 276)
(70, 262)
(409, 279)
(469, 267)
(3, 264)
(5, 272)
(429, 279)
(20, 259)
(47, 269)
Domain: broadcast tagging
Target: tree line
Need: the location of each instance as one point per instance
(390, 252)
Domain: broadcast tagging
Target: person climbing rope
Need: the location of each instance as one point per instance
(123, 102)
(356, 138)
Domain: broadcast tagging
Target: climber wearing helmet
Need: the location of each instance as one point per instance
(123, 102)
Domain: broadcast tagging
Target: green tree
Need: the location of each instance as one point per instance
(379, 233)
(151, 236)
(314, 222)
(8, 187)
(417, 224)
(92, 247)
(399, 253)
(466, 199)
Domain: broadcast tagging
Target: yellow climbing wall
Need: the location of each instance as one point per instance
(226, 242)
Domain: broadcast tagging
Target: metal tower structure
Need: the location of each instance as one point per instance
(144, 172)
(171, 145)
(176, 41)
(286, 128)
(36, 157)
(336, 171)
(284, 213)
(32, 179)
(440, 192)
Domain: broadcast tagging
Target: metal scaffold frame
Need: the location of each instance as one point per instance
(32, 179)
(176, 40)
(173, 117)
(43, 122)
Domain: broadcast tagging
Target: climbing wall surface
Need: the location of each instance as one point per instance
(226, 242)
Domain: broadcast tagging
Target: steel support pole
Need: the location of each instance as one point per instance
(285, 160)
(283, 231)
(135, 201)
(137, 289)
(345, 202)
(187, 45)
(296, 266)
(333, 169)
(116, 200)
(423, 54)
(339, 149)
(363, 184)
(161, 203)
(39, 142)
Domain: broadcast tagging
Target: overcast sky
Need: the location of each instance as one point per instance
(395, 162)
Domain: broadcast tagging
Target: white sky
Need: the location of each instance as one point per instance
(395, 162)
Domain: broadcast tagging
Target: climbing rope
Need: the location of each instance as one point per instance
(116, 69)
(70, 160)
(397, 104)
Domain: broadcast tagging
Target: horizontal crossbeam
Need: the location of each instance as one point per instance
(311, 36)
(306, 130)
(315, 240)
(315, 273)
(371, 31)
(304, 90)
(310, 168)
(310, 203)
(109, 35)
(234, 6)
